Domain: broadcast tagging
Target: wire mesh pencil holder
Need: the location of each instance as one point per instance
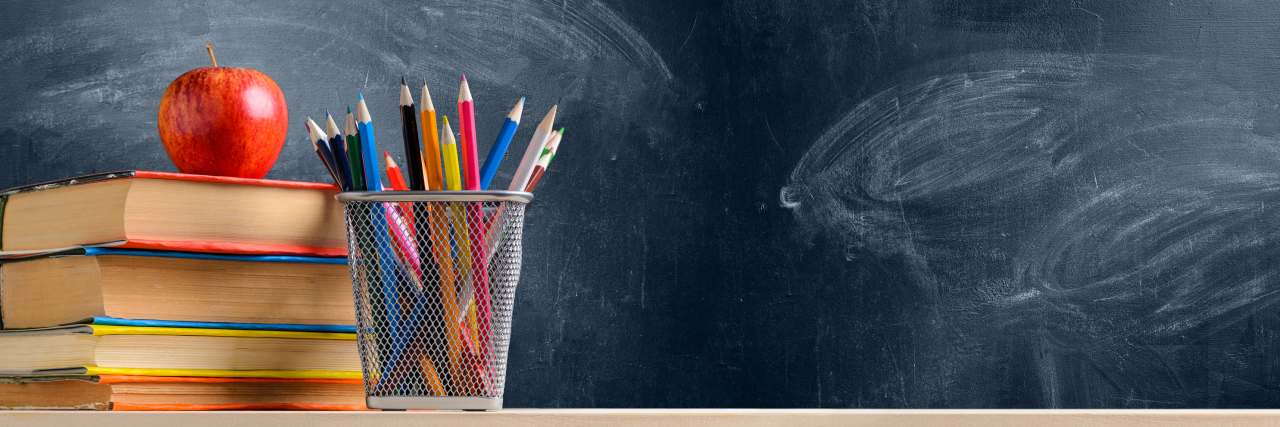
(434, 276)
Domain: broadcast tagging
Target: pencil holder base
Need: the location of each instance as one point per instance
(434, 402)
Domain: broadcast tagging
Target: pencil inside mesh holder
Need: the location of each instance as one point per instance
(434, 277)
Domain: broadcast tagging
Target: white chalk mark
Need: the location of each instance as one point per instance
(688, 36)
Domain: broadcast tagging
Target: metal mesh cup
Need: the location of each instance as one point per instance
(434, 276)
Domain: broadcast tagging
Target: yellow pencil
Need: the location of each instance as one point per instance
(454, 303)
(449, 150)
(461, 233)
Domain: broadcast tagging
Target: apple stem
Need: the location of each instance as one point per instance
(209, 47)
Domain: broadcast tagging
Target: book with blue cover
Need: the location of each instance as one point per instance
(111, 321)
(97, 285)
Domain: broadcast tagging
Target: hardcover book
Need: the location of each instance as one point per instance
(196, 352)
(173, 211)
(147, 393)
(82, 283)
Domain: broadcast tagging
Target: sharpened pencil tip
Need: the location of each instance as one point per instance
(348, 109)
(402, 81)
(464, 77)
(362, 96)
(446, 120)
(326, 113)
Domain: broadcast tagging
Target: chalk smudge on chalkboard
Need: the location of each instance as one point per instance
(1112, 216)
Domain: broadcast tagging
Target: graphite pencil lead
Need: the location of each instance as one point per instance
(406, 98)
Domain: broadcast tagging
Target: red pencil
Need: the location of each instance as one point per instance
(467, 127)
(393, 173)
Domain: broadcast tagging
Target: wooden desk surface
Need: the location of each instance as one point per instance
(657, 417)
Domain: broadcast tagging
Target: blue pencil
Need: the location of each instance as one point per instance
(388, 268)
(338, 148)
(499, 148)
(364, 124)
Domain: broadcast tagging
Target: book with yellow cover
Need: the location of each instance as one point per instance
(163, 351)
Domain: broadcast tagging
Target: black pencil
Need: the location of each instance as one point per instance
(409, 126)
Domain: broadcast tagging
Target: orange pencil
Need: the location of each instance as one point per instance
(430, 143)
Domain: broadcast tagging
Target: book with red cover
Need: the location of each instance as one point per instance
(173, 211)
(158, 393)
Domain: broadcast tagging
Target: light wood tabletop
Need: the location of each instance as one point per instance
(657, 417)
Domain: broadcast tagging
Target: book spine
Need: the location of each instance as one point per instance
(4, 200)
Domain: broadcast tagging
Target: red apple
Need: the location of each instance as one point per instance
(223, 121)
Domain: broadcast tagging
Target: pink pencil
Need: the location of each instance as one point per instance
(467, 126)
(471, 176)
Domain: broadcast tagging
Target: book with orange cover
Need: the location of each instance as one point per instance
(152, 393)
(173, 211)
(186, 352)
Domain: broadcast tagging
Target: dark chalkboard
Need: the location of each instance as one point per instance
(787, 204)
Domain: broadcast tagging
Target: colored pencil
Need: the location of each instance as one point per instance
(442, 174)
(508, 130)
(322, 148)
(461, 234)
(338, 148)
(474, 217)
(354, 158)
(437, 240)
(545, 160)
(386, 260)
(479, 276)
(541, 136)
(417, 182)
(368, 146)
(467, 128)
(394, 174)
(449, 152)
(409, 129)
(430, 143)
(465, 284)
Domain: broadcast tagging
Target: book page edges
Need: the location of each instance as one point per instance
(108, 176)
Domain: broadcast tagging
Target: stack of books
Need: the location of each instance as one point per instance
(156, 291)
